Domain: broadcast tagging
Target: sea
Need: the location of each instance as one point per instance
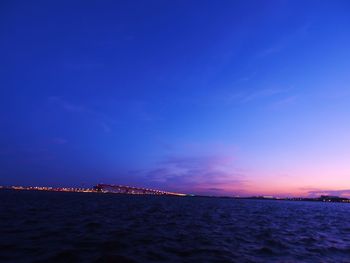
(90, 227)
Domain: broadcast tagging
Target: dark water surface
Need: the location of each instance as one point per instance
(76, 227)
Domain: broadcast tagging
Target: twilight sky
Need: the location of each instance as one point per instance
(208, 97)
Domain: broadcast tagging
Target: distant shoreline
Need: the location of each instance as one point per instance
(328, 199)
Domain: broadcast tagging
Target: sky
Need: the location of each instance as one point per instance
(206, 97)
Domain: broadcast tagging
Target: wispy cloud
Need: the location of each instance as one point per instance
(59, 141)
(283, 102)
(105, 127)
(285, 41)
(25, 154)
(275, 97)
(319, 192)
(68, 106)
(333, 93)
(79, 66)
(271, 50)
(261, 94)
(100, 118)
(213, 174)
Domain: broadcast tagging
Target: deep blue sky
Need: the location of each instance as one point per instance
(214, 97)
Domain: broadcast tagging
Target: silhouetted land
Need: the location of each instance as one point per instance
(128, 190)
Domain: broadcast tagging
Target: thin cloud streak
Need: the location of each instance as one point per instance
(319, 192)
(102, 120)
(59, 141)
(199, 174)
(265, 93)
(284, 102)
(284, 43)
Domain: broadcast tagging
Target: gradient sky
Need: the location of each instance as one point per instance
(208, 97)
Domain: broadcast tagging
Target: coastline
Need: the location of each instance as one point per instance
(322, 198)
